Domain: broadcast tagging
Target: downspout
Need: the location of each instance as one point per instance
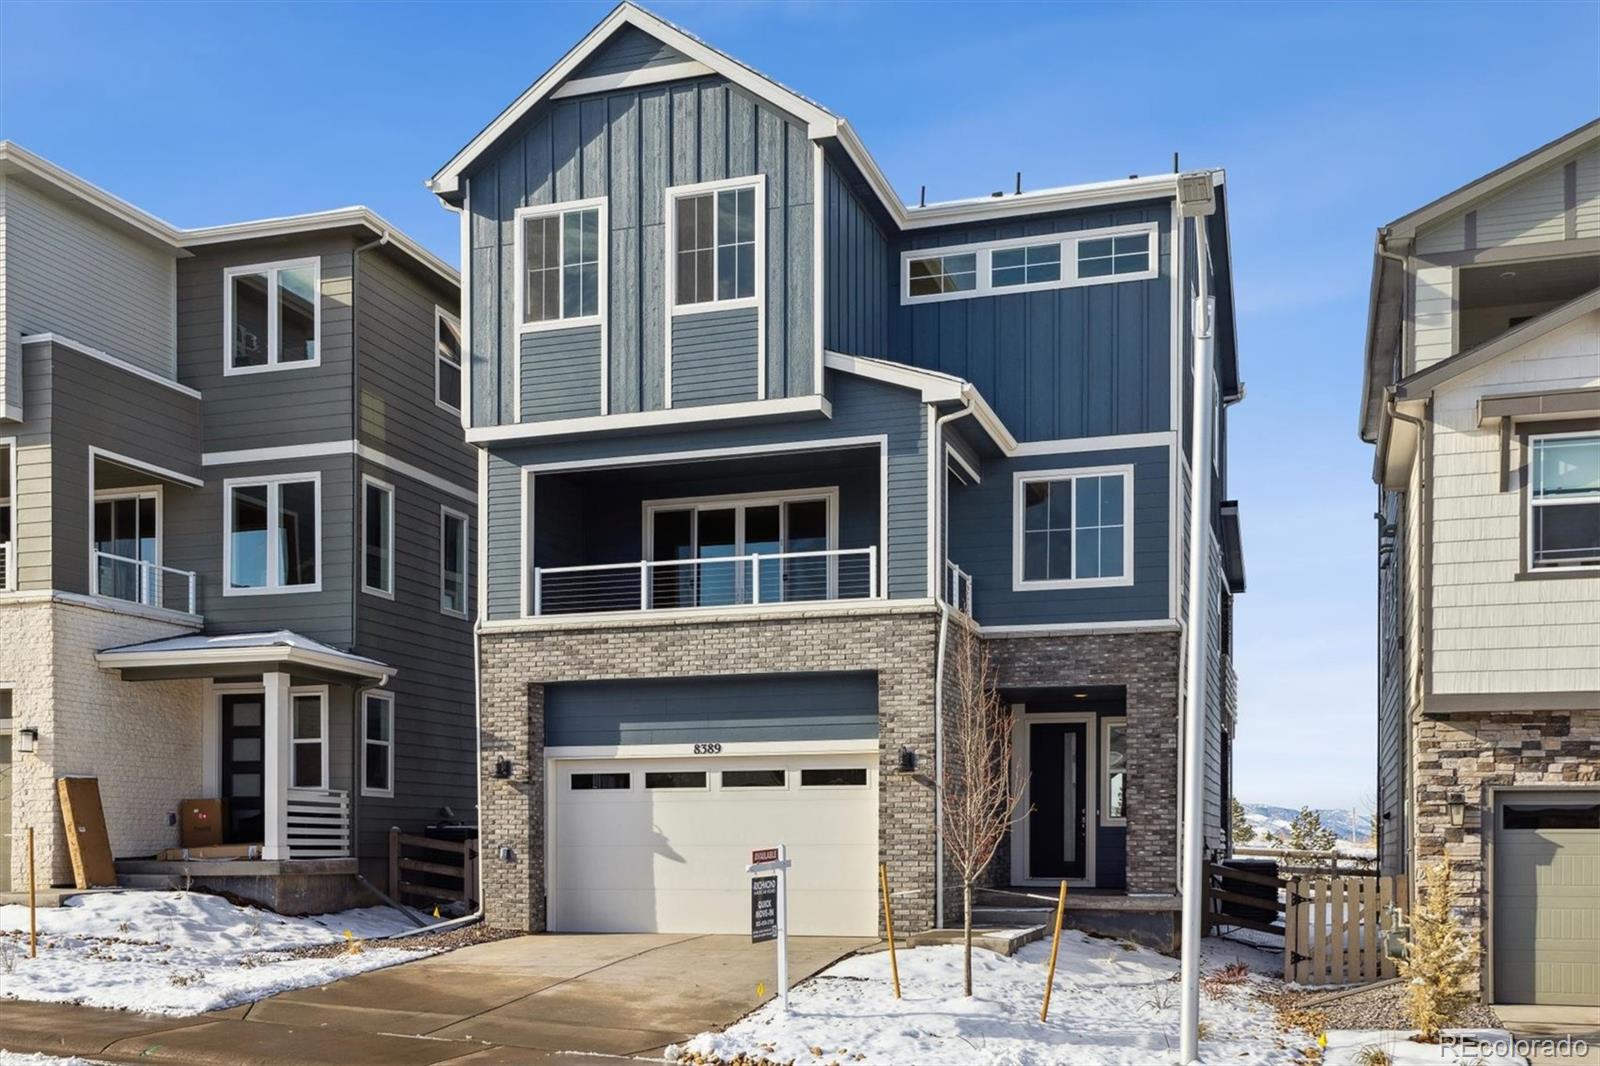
(940, 480)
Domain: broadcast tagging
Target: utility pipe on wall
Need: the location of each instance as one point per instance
(940, 485)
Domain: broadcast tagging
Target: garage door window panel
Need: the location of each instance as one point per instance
(601, 782)
(834, 777)
(732, 779)
(1537, 816)
(675, 779)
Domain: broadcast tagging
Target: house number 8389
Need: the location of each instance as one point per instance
(708, 749)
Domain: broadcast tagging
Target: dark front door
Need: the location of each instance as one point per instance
(1058, 783)
(242, 746)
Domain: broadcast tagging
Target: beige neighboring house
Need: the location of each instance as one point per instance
(1482, 396)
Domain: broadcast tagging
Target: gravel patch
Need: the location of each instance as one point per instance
(1382, 1007)
(429, 943)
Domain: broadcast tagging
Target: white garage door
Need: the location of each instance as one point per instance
(1547, 899)
(661, 845)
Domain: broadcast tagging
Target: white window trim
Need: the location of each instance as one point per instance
(368, 481)
(741, 501)
(1106, 726)
(271, 270)
(758, 182)
(445, 514)
(984, 253)
(519, 218)
(387, 699)
(1533, 504)
(133, 492)
(273, 497)
(1020, 477)
(440, 316)
(321, 693)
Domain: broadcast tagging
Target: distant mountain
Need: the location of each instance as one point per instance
(1349, 825)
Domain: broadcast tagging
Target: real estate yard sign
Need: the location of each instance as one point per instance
(769, 908)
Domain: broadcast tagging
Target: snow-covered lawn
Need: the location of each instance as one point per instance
(1470, 1047)
(185, 952)
(1113, 1003)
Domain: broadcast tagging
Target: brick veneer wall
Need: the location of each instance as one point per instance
(1474, 754)
(897, 643)
(141, 739)
(1147, 665)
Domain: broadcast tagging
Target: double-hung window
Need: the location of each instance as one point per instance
(715, 258)
(272, 316)
(452, 562)
(272, 534)
(446, 360)
(377, 744)
(561, 277)
(1564, 501)
(377, 537)
(1073, 528)
(308, 738)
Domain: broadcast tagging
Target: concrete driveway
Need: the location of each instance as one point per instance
(536, 999)
(1546, 1026)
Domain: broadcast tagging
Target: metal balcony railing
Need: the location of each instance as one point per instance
(138, 581)
(709, 581)
(8, 565)
(957, 588)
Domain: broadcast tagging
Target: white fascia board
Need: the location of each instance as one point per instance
(129, 660)
(931, 386)
(109, 360)
(16, 159)
(337, 218)
(819, 122)
(674, 417)
(730, 749)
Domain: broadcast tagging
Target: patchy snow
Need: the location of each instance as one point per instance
(17, 1058)
(182, 952)
(1113, 1003)
(1479, 1047)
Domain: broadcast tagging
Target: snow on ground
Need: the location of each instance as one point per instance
(17, 1058)
(183, 952)
(1113, 1003)
(1477, 1047)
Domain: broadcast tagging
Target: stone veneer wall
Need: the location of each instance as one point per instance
(141, 739)
(1147, 665)
(1475, 753)
(898, 643)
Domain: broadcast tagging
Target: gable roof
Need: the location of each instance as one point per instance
(1424, 381)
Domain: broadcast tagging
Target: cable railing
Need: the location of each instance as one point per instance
(957, 587)
(8, 566)
(140, 581)
(708, 581)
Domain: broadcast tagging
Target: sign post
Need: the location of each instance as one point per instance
(769, 908)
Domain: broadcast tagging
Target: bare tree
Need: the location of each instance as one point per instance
(981, 788)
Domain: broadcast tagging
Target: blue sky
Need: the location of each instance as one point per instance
(1330, 119)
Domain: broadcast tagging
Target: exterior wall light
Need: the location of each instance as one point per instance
(502, 767)
(1456, 803)
(27, 740)
(908, 761)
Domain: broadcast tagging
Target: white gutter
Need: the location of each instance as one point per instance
(937, 520)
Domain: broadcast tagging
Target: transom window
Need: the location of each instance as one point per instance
(1564, 501)
(1125, 254)
(446, 360)
(1073, 528)
(271, 533)
(272, 315)
(716, 253)
(1028, 264)
(560, 268)
(377, 744)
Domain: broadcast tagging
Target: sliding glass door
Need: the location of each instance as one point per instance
(701, 551)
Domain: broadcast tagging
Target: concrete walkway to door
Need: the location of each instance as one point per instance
(524, 1000)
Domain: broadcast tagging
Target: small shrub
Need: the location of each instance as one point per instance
(1372, 1055)
(1441, 961)
(354, 945)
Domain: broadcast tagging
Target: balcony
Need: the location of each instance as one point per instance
(121, 577)
(707, 582)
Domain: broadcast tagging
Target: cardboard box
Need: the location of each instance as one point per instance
(200, 823)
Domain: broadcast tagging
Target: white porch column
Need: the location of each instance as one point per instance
(275, 765)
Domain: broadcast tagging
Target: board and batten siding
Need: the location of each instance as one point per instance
(67, 273)
(561, 373)
(1083, 361)
(714, 357)
(1492, 633)
(397, 412)
(860, 408)
(295, 405)
(773, 708)
(983, 527)
(860, 281)
(630, 146)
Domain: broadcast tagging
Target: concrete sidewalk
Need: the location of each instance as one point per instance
(568, 999)
(1547, 1026)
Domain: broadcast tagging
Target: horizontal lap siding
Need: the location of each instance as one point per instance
(298, 405)
(397, 412)
(629, 49)
(33, 497)
(982, 530)
(630, 147)
(561, 373)
(714, 357)
(769, 708)
(860, 408)
(1092, 360)
(67, 273)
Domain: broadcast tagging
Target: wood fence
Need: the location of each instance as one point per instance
(1332, 924)
(432, 871)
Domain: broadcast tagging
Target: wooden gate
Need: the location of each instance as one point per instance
(1331, 925)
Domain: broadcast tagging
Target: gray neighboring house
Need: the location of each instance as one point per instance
(753, 434)
(235, 549)
(1481, 394)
